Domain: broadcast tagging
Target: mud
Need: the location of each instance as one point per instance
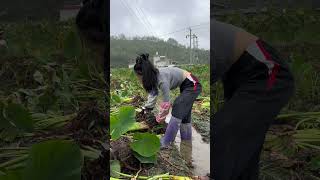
(202, 126)
(169, 160)
(196, 153)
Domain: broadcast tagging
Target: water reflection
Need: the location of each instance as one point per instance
(186, 151)
(196, 153)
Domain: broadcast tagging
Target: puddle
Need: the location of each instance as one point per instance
(197, 151)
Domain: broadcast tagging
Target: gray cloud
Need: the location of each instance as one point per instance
(161, 17)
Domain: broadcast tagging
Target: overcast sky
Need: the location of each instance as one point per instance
(161, 17)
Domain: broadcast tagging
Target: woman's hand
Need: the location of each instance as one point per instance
(164, 111)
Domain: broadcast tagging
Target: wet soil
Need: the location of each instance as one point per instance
(169, 160)
(196, 153)
(202, 127)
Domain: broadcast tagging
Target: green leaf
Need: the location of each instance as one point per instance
(145, 160)
(3, 122)
(11, 175)
(111, 178)
(122, 122)
(115, 167)
(116, 98)
(205, 105)
(47, 100)
(145, 144)
(136, 127)
(8, 134)
(83, 70)
(54, 159)
(315, 163)
(19, 116)
(38, 77)
(72, 45)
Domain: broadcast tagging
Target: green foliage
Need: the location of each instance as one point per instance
(275, 25)
(19, 117)
(14, 120)
(72, 45)
(124, 84)
(115, 167)
(44, 162)
(48, 80)
(307, 83)
(54, 152)
(124, 50)
(146, 160)
(145, 144)
(121, 122)
(315, 163)
(11, 175)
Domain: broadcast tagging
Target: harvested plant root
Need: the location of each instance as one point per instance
(137, 101)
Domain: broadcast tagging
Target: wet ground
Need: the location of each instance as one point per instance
(182, 158)
(197, 151)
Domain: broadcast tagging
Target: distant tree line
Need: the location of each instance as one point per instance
(123, 50)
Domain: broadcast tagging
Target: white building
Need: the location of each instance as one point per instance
(160, 61)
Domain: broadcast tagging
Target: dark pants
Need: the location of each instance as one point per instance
(254, 95)
(182, 105)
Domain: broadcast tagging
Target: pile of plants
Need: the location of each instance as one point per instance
(52, 104)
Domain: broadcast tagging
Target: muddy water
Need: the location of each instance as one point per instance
(196, 151)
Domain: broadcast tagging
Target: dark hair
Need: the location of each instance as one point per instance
(149, 73)
(92, 20)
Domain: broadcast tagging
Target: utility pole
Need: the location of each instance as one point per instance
(195, 46)
(190, 49)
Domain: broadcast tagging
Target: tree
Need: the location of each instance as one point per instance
(123, 49)
(172, 42)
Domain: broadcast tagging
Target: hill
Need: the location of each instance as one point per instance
(124, 49)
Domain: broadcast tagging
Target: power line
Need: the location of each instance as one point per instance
(135, 31)
(140, 15)
(205, 28)
(182, 29)
(206, 23)
(146, 18)
(132, 12)
(140, 19)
